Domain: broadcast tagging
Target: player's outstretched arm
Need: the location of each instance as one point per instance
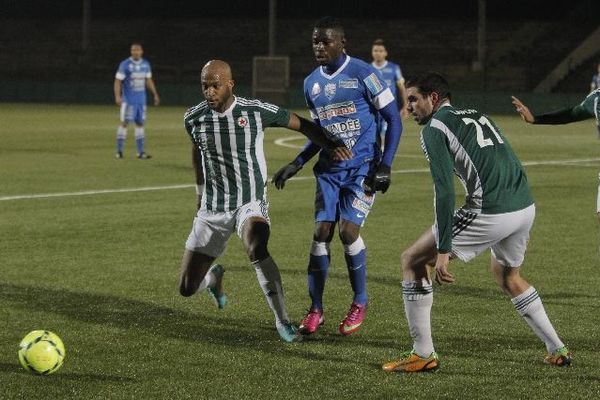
(338, 150)
(523, 110)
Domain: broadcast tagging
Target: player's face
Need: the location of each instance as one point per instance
(217, 91)
(379, 53)
(328, 45)
(136, 52)
(419, 106)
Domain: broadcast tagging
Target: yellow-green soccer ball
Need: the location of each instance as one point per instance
(41, 352)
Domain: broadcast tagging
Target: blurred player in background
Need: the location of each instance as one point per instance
(231, 173)
(344, 95)
(498, 215)
(132, 78)
(589, 108)
(392, 75)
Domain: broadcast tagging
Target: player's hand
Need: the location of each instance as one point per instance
(442, 275)
(341, 153)
(284, 174)
(156, 99)
(119, 101)
(522, 110)
(379, 181)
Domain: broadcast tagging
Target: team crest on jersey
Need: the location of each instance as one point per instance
(330, 89)
(316, 90)
(242, 122)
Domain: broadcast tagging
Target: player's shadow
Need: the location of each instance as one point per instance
(134, 314)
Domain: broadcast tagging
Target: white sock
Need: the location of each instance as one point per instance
(209, 279)
(121, 132)
(139, 132)
(418, 299)
(530, 307)
(269, 280)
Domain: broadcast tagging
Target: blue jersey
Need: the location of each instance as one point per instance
(392, 74)
(346, 104)
(133, 74)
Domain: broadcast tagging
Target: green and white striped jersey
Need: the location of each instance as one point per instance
(470, 145)
(590, 106)
(231, 145)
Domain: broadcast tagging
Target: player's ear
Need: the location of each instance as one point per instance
(231, 83)
(435, 98)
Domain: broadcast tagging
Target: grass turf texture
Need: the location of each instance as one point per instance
(101, 271)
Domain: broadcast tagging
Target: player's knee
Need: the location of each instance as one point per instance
(407, 260)
(257, 251)
(323, 232)
(348, 236)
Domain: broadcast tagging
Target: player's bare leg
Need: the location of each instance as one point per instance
(197, 275)
(417, 292)
(318, 267)
(528, 304)
(355, 254)
(255, 236)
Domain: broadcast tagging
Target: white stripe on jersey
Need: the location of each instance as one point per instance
(465, 164)
(206, 163)
(221, 159)
(596, 109)
(267, 106)
(260, 153)
(383, 99)
(235, 159)
(313, 114)
(247, 142)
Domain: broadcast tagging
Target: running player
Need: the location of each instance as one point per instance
(227, 135)
(498, 215)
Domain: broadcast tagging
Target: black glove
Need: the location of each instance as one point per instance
(285, 173)
(379, 181)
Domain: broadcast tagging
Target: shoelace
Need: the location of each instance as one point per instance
(353, 314)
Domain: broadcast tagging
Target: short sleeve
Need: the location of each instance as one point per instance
(273, 115)
(377, 91)
(120, 75)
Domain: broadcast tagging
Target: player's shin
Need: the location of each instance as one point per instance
(139, 139)
(356, 261)
(121, 135)
(418, 299)
(318, 266)
(269, 280)
(529, 305)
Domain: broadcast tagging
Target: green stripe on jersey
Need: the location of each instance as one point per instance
(231, 144)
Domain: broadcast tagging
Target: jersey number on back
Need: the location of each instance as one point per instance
(481, 123)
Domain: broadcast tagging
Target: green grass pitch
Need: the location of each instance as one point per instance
(101, 271)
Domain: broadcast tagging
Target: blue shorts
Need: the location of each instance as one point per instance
(133, 113)
(340, 195)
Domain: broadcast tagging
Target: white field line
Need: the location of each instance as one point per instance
(571, 162)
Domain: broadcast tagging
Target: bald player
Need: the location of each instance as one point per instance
(227, 133)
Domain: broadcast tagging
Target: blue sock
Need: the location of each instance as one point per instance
(139, 143)
(357, 271)
(120, 144)
(139, 139)
(318, 266)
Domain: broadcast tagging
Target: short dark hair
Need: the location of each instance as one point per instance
(330, 23)
(378, 42)
(430, 82)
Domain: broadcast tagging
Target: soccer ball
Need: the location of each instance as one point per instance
(41, 352)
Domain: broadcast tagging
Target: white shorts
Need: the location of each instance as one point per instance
(211, 230)
(506, 234)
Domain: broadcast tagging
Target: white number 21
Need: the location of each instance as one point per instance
(483, 142)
